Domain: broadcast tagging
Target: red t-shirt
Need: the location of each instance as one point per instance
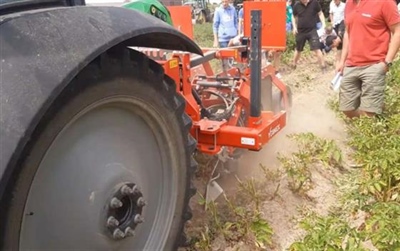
(368, 28)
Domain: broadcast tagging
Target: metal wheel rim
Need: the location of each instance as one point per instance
(116, 136)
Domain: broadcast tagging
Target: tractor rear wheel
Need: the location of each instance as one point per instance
(109, 166)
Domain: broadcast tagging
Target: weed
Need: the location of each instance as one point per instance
(383, 226)
(331, 233)
(312, 150)
(236, 223)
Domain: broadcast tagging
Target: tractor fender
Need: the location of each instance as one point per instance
(43, 50)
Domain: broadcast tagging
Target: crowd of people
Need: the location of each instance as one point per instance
(364, 33)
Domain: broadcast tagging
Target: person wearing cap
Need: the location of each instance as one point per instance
(370, 43)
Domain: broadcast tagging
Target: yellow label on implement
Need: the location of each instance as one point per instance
(173, 63)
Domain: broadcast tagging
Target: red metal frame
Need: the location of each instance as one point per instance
(273, 22)
(212, 135)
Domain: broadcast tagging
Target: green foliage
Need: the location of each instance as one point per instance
(331, 233)
(262, 231)
(287, 55)
(383, 226)
(323, 150)
(290, 41)
(312, 150)
(372, 191)
(236, 219)
(203, 34)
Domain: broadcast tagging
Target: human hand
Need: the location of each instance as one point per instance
(215, 45)
(385, 67)
(294, 31)
(339, 68)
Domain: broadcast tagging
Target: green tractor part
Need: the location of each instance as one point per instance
(152, 7)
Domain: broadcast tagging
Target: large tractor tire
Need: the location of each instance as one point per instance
(109, 167)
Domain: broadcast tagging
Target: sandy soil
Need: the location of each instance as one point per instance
(310, 113)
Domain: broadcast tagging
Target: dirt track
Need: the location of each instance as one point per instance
(310, 113)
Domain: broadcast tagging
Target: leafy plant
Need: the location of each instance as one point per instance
(312, 150)
(236, 219)
(383, 226)
(372, 191)
(331, 233)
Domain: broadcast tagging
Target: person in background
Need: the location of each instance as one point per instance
(336, 41)
(336, 13)
(370, 43)
(289, 14)
(225, 26)
(323, 34)
(240, 22)
(236, 41)
(305, 12)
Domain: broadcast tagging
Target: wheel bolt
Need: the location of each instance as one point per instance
(115, 203)
(118, 234)
(129, 232)
(112, 222)
(136, 190)
(126, 190)
(141, 202)
(138, 219)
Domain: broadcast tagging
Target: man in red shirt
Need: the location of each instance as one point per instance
(370, 43)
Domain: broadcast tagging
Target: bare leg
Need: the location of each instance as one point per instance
(352, 114)
(358, 113)
(368, 114)
(296, 57)
(320, 57)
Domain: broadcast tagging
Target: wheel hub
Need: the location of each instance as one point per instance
(124, 211)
